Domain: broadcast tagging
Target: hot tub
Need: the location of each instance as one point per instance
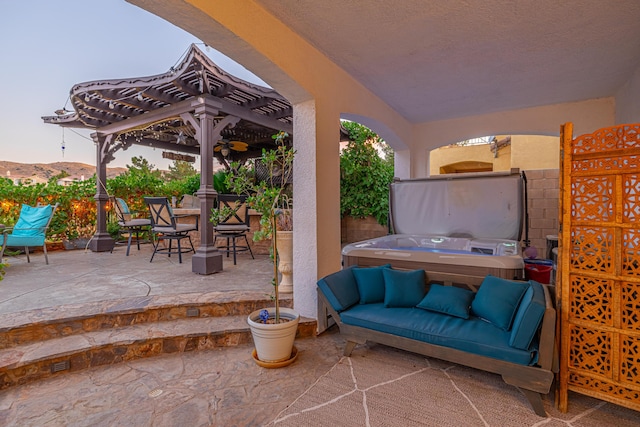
(450, 255)
(456, 228)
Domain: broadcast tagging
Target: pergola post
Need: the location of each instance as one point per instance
(207, 259)
(102, 240)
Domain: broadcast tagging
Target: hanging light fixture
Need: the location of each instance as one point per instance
(63, 144)
(139, 96)
(111, 105)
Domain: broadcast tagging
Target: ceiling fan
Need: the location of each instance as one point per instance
(225, 146)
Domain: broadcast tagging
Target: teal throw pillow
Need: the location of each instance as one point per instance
(403, 288)
(497, 300)
(32, 221)
(370, 283)
(528, 317)
(449, 300)
(340, 289)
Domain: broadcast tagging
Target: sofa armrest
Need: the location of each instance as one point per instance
(547, 347)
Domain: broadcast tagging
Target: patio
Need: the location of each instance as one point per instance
(222, 385)
(82, 276)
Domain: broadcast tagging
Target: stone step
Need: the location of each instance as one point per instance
(38, 360)
(62, 321)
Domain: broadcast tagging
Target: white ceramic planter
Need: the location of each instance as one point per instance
(274, 342)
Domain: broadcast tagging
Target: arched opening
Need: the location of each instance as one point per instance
(466, 167)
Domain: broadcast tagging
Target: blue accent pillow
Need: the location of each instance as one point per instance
(449, 300)
(497, 300)
(403, 288)
(340, 289)
(370, 283)
(528, 317)
(32, 221)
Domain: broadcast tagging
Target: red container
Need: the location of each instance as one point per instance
(538, 270)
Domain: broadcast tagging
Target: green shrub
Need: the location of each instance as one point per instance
(365, 175)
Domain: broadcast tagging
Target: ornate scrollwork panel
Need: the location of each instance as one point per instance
(608, 139)
(606, 165)
(630, 307)
(592, 249)
(631, 198)
(605, 388)
(631, 253)
(592, 198)
(590, 350)
(590, 299)
(629, 357)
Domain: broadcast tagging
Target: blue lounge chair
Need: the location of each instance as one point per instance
(30, 230)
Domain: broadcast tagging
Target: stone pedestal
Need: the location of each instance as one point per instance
(206, 262)
(102, 242)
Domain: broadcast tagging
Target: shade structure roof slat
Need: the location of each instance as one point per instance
(101, 104)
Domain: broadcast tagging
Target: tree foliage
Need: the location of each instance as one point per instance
(365, 175)
(75, 216)
(180, 170)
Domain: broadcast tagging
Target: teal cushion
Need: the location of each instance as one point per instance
(449, 300)
(528, 317)
(123, 206)
(370, 283)
(32, 221)
(403, 288)
(497, 300)
(340, 289)
(472, 335)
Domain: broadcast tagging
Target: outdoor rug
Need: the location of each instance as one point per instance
(382, 386)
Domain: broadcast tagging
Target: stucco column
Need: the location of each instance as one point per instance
(419, 162)
(101, 240)
(402, 164)
(316, 189)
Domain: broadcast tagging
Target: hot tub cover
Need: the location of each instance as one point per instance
(488, 206)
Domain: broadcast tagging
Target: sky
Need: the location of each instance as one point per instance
(49, 46)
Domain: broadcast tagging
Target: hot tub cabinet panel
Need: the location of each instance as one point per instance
(457, 260)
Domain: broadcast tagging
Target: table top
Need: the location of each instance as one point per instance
(186, 211)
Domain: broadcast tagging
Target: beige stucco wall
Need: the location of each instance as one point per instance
(535, 152)
(628, 100)
(526, 152)
(587, 116)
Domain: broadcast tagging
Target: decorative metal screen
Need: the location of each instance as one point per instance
(599, 270)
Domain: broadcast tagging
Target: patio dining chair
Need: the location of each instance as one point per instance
(165, 227)
(233, 224)
(127, 222)
(30, 229)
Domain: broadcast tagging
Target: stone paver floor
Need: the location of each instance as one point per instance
(222, 387)
(215, 387)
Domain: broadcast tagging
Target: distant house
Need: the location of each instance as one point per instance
(70, 180)
(27, 180)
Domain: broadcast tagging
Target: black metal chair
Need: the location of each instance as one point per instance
(164, 226)
(233, 224)
(127, 223)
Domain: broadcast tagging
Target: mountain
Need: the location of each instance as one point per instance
(47, 170)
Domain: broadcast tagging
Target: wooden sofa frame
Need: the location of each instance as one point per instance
(532, 381)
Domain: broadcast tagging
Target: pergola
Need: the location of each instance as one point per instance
(189, 109)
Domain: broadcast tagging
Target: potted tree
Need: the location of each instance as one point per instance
(273, 328)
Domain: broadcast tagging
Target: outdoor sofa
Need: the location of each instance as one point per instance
(507, 327)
